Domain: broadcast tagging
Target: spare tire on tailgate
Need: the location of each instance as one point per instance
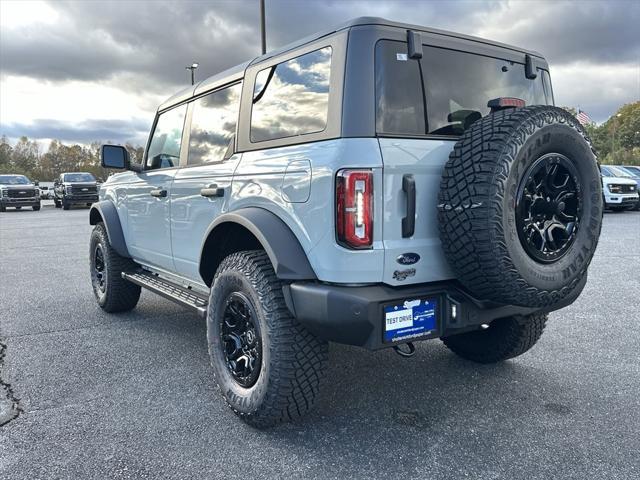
(520, 206)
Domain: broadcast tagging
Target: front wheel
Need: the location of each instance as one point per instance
(65, 205)
(503, 339)
(113, 293)
(268, 366)
(36, 207)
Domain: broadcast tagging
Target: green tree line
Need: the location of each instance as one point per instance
(617, 141)
(26, 157)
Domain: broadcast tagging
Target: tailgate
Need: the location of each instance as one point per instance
(423, 161)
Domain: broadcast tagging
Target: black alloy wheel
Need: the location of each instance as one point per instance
(549, 208)
(98, 270)
(241, 340)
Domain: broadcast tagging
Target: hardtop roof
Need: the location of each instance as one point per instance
(236, 73)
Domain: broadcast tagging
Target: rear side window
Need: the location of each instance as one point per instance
(213, 125)
(292, 98)
(164, 149)
(456, 85)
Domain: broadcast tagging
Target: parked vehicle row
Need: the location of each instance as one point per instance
(73, 188)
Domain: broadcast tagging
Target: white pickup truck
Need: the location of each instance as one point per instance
(620, 191)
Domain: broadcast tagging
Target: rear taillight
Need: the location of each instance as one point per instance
(354, 208)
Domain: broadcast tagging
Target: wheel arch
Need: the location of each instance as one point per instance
(254, 228)
(106, 212)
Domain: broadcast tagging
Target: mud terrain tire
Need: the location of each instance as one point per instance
(520, 206)
(288, 370)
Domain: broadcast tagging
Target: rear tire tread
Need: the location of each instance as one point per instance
(298, 358)
(509, 338)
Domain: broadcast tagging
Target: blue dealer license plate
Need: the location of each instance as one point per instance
(409, 320)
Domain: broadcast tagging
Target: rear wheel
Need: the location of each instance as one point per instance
(267, 365)
(113, 293)
(503, 339)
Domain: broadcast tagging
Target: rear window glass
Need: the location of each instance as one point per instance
(457, 85)
(292, 98)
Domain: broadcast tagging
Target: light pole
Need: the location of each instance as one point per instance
(263, 33)
(193, 68)
(613, 138)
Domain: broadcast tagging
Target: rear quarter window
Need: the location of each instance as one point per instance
(292, 98)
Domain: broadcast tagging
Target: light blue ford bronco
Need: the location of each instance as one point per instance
(374, 185)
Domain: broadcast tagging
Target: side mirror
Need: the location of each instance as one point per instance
(114, 156)
(36, 183)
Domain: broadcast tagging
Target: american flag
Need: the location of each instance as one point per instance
(583, 118)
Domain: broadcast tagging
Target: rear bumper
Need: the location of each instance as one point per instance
(355, 315)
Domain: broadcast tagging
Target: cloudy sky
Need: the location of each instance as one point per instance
(96, 70)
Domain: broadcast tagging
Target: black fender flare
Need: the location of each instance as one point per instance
(105, 211)
(287, 256)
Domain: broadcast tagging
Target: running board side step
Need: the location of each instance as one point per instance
(169, 290)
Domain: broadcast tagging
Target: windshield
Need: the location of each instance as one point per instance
(14, 180)
(620, 172)
(79, 177)
(457, 86)
(610, 171)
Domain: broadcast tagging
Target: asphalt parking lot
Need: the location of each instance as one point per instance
(132, 396)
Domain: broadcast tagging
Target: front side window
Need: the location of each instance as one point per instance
(164, 149)
(213, 125)
(292, 98)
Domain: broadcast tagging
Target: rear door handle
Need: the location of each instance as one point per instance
(409, 222)
(158, 192)
(212, 191)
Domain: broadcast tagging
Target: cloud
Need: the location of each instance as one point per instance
(596, 87)
(568, 32)
(117, 131)
(126, 56)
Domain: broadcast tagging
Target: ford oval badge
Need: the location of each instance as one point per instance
(408, 258)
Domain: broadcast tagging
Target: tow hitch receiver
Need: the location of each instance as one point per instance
(409, 352)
